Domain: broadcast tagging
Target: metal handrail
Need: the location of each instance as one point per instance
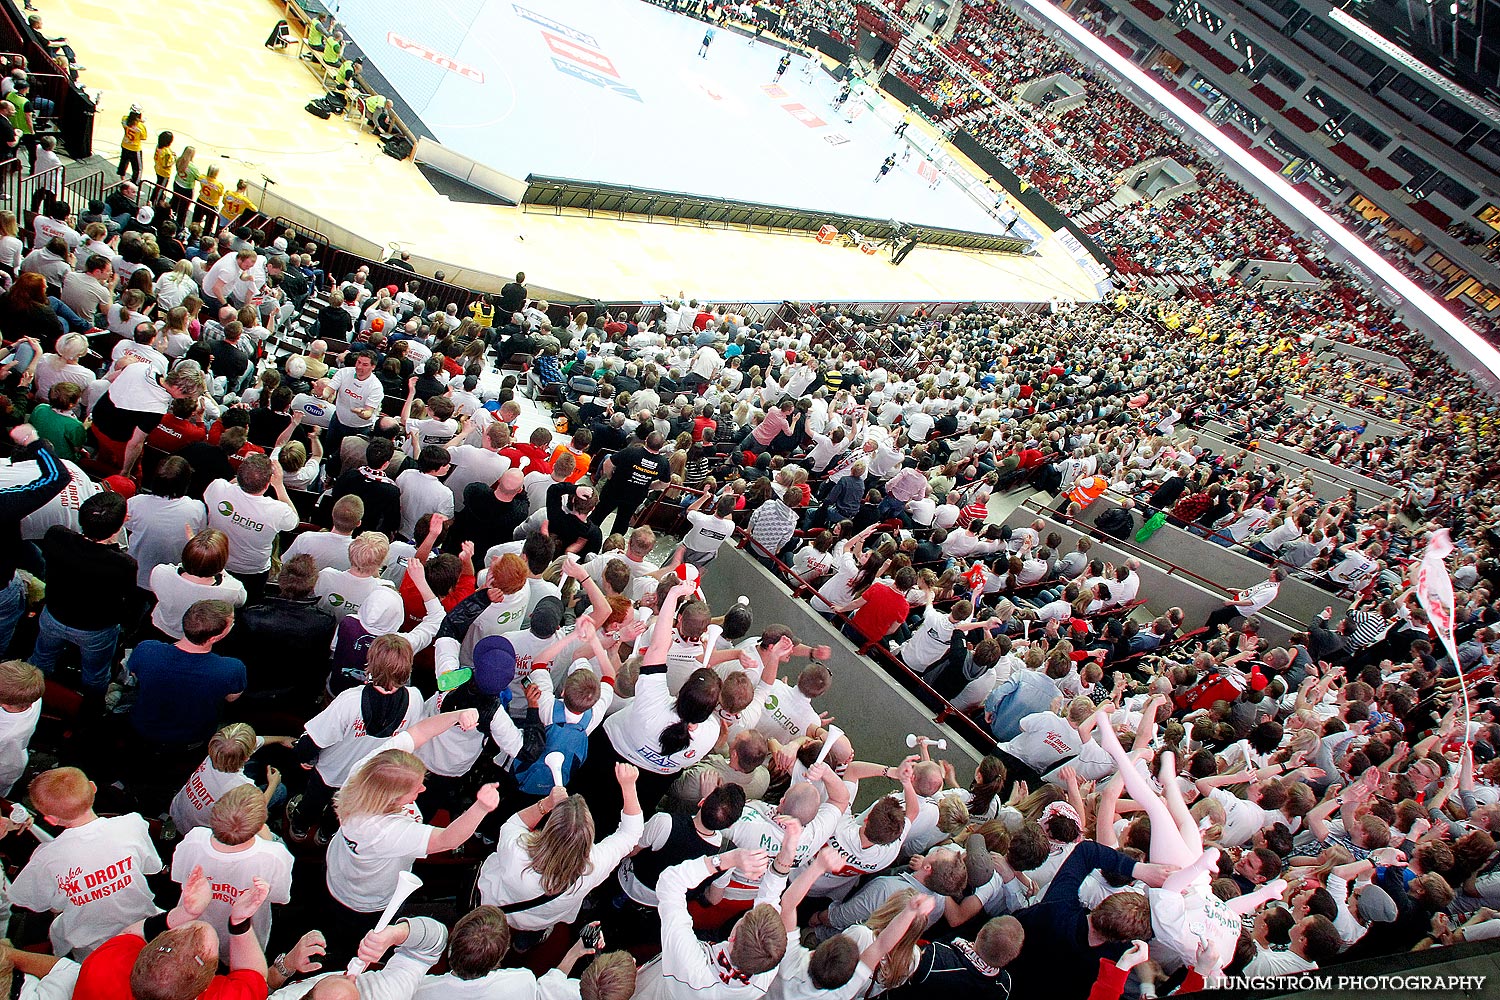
(1172, 569)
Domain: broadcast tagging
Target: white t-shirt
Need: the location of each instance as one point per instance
(369, 853)
(231, 873)
(707, 532)
(421, 494)
(1045, 740)
(341, 593)
(351, 394)
(205, 786)
(340, 731)
(454, 752)
(472, 464)
(175, 594)
(1243, 819)
(929, 641)
(136, 389)
(794, 983)
(329, 550)
(94, 877)
(154, 526)
(505, 877)
(855, 860)
(635, 732)
(251, 522)
(836, 590)
(15, 733)
(1259, 596)
(757, 829)
(786, 713)
(499, 984)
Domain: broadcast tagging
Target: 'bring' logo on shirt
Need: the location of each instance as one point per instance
(226, 509)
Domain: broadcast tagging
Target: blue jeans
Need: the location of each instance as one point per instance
(74, 322)
(97, 649)
(12, 607)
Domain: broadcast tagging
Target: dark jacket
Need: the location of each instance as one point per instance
(1117, 522)
(1056, 959)
(284, 642)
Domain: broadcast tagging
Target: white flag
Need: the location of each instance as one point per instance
(1435, 594)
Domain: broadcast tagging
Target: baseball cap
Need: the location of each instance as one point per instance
(494, 664)
(1375, 905)
(145, 214)
(546, 616)
(1079, 625)
(120, 485)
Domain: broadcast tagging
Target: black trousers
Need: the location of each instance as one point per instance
(130, 161)
(623, 503)
(1223, 616)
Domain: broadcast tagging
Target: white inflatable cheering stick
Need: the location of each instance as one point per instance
(19, 816)
(834, 732)
(554, 762)
(912, 739)
(406, 884)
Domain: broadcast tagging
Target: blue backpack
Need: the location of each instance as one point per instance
(571, 739)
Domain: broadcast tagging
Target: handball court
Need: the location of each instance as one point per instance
(201, 71)
(615, 91)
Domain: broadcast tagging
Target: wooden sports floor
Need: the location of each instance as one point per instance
(201, 70)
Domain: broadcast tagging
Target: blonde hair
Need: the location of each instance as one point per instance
(953, 815)
(231, 746)
(560, 848)
(896, 968)
(71, 347)
(238, 815)
(380, 788)
(759, 941)
(368, 551)
(611, 976)
(20, 683)
(293, 456)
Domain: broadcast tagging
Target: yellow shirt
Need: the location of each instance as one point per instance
(165, 160)
(210, 191)
(135, 135)
(236, 205)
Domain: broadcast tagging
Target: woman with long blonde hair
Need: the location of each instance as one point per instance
(897, 966)
(547, 855)
(376, 809)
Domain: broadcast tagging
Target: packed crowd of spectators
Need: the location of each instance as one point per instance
(293, 624)
(1080, 159)
(470, 598)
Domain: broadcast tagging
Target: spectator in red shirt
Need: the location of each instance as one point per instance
(451, 578)
(182, 961)
(182, 426)
(881, 610)
(976, 510)
(704, 424)
(532, 455)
